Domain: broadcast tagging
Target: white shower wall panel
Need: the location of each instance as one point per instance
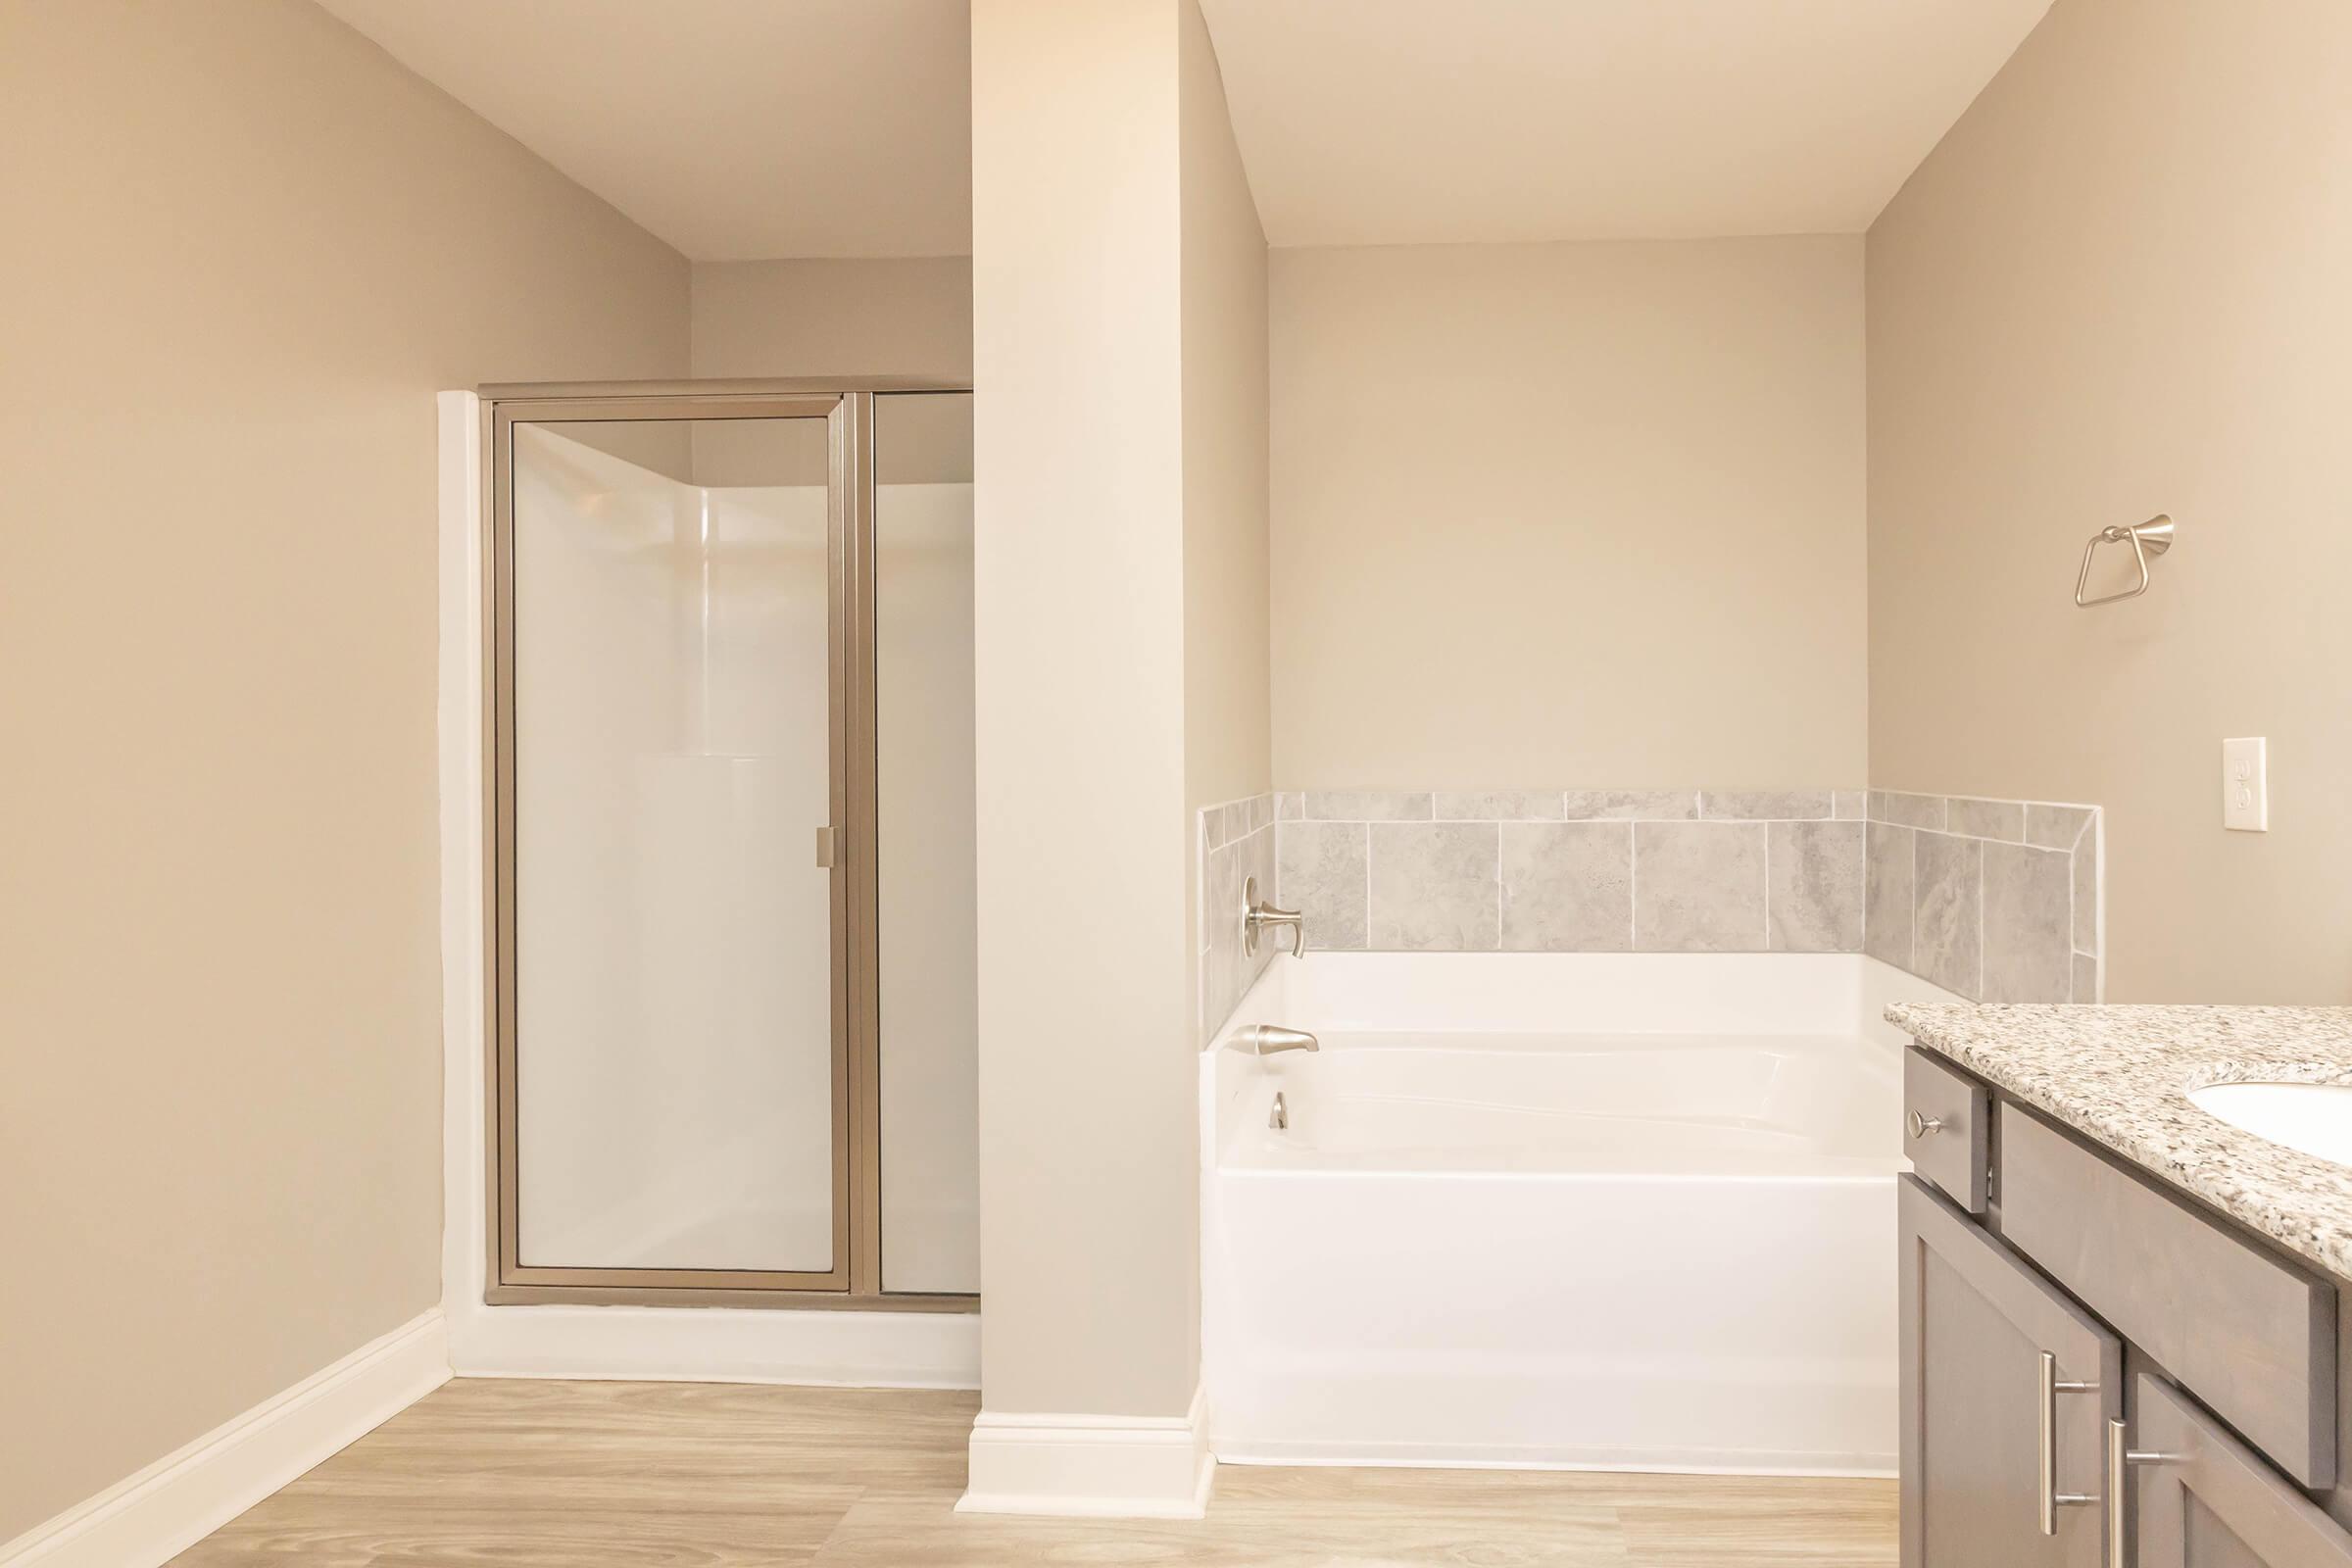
(674, 1038)
(929, 938)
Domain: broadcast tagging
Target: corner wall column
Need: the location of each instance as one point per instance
(1089, 1180)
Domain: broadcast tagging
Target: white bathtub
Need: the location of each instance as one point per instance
(1609, 1211)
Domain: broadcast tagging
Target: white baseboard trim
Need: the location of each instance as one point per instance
(1096, 1467)
(1375, 1454)
(151, 1517)
(717, 1344)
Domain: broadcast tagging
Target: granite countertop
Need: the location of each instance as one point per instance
(2120, 1076)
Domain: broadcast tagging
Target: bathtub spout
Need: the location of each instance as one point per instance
(1266, 1039)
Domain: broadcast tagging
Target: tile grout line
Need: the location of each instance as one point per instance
(1980, 995)
(2097, 828)
(1866, 870)
(1633, 887)
(2070, 920)
(1913, 964)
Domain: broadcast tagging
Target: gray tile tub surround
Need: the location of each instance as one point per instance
(1574, 870)
(1995, 900)
(1813, 889)
(1233, 842)
(1323, 871)
(1566, 806)
(1566, 887)
(1699, 887)
(1747, 887)
(1433, 886)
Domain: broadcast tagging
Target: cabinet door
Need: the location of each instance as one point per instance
(2206, 1500)
(1990, 1435)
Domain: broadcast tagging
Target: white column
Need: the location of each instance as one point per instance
(1089, 1183)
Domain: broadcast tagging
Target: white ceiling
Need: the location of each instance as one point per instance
(1417, 122)
(745, 129)
(731, 129)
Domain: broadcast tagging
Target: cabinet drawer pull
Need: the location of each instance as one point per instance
(2046, 1451)
(1922, 1125)
(2116, 1456)
(2121, 1457)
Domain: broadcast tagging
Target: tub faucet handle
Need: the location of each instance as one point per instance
(1257, 914)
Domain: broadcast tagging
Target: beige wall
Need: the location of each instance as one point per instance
(900, 315)
(883, 317)
(2117, 288)
(1228, 736)
(1088, 1180)
(261, 247)
(1569, 514)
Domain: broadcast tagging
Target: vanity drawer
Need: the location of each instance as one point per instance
(2252, 1333)
(1946, 1117)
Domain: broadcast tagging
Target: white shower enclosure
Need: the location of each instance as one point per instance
(731, 887)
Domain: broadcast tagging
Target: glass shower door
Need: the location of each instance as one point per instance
(673, 1029)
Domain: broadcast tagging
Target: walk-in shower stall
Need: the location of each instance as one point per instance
(730, 887)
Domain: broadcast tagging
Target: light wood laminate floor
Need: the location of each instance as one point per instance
(681, 1475)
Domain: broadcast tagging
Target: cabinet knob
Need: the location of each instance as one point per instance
(1922, 1125)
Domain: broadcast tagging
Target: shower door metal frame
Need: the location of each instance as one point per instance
(855, 1279)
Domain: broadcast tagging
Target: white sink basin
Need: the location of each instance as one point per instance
(2315, 1118)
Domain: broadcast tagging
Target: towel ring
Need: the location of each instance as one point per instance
(2148, 540)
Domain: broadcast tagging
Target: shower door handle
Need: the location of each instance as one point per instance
(828, 847)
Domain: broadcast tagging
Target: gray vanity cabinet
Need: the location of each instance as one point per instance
(2017, 1327)
(2203, 1499)
(1997, 1442)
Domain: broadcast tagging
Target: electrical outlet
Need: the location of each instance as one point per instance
(2247, 785)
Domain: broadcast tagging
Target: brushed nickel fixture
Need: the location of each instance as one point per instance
(2148, 540)
(1266, 1039)
(2120, 1455)
(2046, 1445)
(1256, 916)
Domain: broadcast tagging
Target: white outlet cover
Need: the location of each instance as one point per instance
(2247, 785)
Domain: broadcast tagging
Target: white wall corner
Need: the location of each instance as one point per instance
(1096, 1467)
(465, 1241)
(1881, 983)
(149, 1518)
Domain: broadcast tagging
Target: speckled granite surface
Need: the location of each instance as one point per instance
(2120, 1076)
